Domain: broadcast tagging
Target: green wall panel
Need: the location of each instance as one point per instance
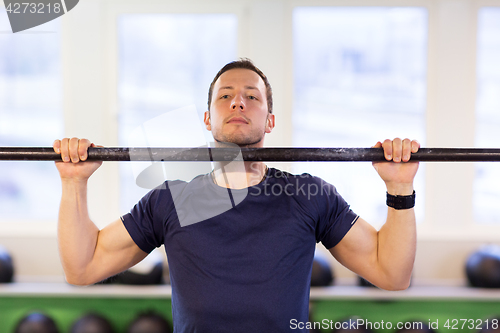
(65, 310)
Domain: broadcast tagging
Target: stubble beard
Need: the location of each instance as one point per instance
(240, 139)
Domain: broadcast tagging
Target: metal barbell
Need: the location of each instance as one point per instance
(280, 154)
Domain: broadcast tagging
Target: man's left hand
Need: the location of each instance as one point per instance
(398, 176)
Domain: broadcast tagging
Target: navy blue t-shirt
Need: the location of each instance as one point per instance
(240, 260)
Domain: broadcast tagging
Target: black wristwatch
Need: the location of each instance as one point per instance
(401, 201)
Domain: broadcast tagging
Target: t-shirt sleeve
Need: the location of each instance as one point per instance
(146, 220)
(335, 216)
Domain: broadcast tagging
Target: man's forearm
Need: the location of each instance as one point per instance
(77, 234)
(397, 246)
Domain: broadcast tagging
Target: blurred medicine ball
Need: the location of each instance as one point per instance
(483, 267)
(149, 322)
(147, 272)
(362, 282)
(36, 322)
(6, 266)
(92, 323)
(321, 274)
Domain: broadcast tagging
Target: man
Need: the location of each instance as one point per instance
(245, 268)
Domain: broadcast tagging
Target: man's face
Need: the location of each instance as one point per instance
(238, 110)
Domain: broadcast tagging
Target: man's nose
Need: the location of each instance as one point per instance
(237, 103)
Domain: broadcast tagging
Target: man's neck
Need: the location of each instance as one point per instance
(238, 174)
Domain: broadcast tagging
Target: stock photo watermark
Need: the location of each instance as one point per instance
(24, 15)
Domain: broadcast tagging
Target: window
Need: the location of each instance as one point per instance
(31, 115)
(166, 65)
(360, 77)
(487, 182)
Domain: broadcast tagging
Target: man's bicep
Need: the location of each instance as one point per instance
(115, 251)
(358, 249)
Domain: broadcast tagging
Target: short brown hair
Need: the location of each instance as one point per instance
(243, 63)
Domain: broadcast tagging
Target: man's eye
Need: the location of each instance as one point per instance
(224, 96)
(252, 97)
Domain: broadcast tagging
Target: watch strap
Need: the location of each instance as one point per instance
(401, 201)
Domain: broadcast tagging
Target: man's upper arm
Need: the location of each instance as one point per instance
(358, 250)
(115, 252)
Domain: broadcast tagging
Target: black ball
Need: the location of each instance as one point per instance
(154, 276)
(6, 266)
(92, 323)
(36, 322)
(364, 283)
(483, 267)
(147, 272)
(321, 274)
(149, 322)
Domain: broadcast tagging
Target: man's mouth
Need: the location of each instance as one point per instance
(237, 120)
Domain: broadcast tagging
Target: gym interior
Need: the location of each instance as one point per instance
(344, 73)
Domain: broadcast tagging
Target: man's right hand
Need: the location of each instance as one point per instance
(88, 255)
(74, 151)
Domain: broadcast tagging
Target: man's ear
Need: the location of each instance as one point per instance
(269, 122)
(206, 120)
